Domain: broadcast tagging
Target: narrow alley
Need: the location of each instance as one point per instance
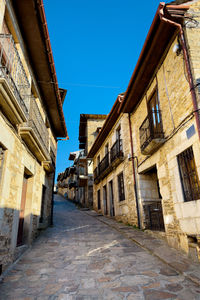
(81, 257)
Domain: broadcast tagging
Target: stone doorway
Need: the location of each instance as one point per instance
(152, 201)
(20, 234)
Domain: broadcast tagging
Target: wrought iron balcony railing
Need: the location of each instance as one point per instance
(116, 150)
(104, 164)
(35, 133)
(96, 172)
(110, 160)
(37, 123)
(151, 130)
(11, 69)
(53, 151)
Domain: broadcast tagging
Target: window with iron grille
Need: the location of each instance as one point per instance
(189, 176)
(121, 187)
(99, 199)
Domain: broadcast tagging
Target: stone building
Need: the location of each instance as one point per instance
(76, 183)
(68, 181)
(31, 118)
(113, 178)
(162, 105)
(89, 127)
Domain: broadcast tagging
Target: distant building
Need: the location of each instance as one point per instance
(76, 183)
(31, 117)
(89, 128)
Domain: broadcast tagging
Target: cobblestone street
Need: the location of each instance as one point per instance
(86, 256)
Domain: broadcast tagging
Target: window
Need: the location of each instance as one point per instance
(189, 177)
(154, 113)
(118, 133)
(99, 199)
(121, 187)
(2, 155)
(106, 149)
(118, 139)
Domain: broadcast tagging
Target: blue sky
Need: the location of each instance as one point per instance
(96, 45)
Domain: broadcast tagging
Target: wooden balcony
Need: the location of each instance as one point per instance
(82, 176)
(151, 133)
(35, 134)
(14, 84)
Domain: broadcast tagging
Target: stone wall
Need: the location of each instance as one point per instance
(19, 161)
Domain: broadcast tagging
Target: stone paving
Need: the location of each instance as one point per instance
(86, 256)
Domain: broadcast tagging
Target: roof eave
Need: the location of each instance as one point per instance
(32, 22)
(159, 32)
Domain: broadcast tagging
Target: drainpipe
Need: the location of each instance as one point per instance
(187, 63)
(52, 200)
(134, 174)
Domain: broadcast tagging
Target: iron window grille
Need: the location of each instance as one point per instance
(189, 176)
(121, 187)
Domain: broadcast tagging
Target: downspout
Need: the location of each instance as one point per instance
(134, 175)
(52, 199)
(187, 62)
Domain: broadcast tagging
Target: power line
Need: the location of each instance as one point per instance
(81, 85)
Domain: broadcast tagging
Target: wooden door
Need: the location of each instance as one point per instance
(42, 204)
(21, 214)
(105, 200)
(112, 208)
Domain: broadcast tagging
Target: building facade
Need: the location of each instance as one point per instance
(31, 118)
(89, 127)
(162, 104)
(113, 179)
(76, 183)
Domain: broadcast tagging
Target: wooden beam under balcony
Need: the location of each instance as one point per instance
(82, 180)
(10, 105)
(31, 139)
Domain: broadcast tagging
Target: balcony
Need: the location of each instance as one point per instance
(104, 163)
(53, 151)
(151, 133)
(14, 84)
(35, 134)
(82, 176)
(116, 153)
(109, 162)
(96, 174)
(72, 183)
